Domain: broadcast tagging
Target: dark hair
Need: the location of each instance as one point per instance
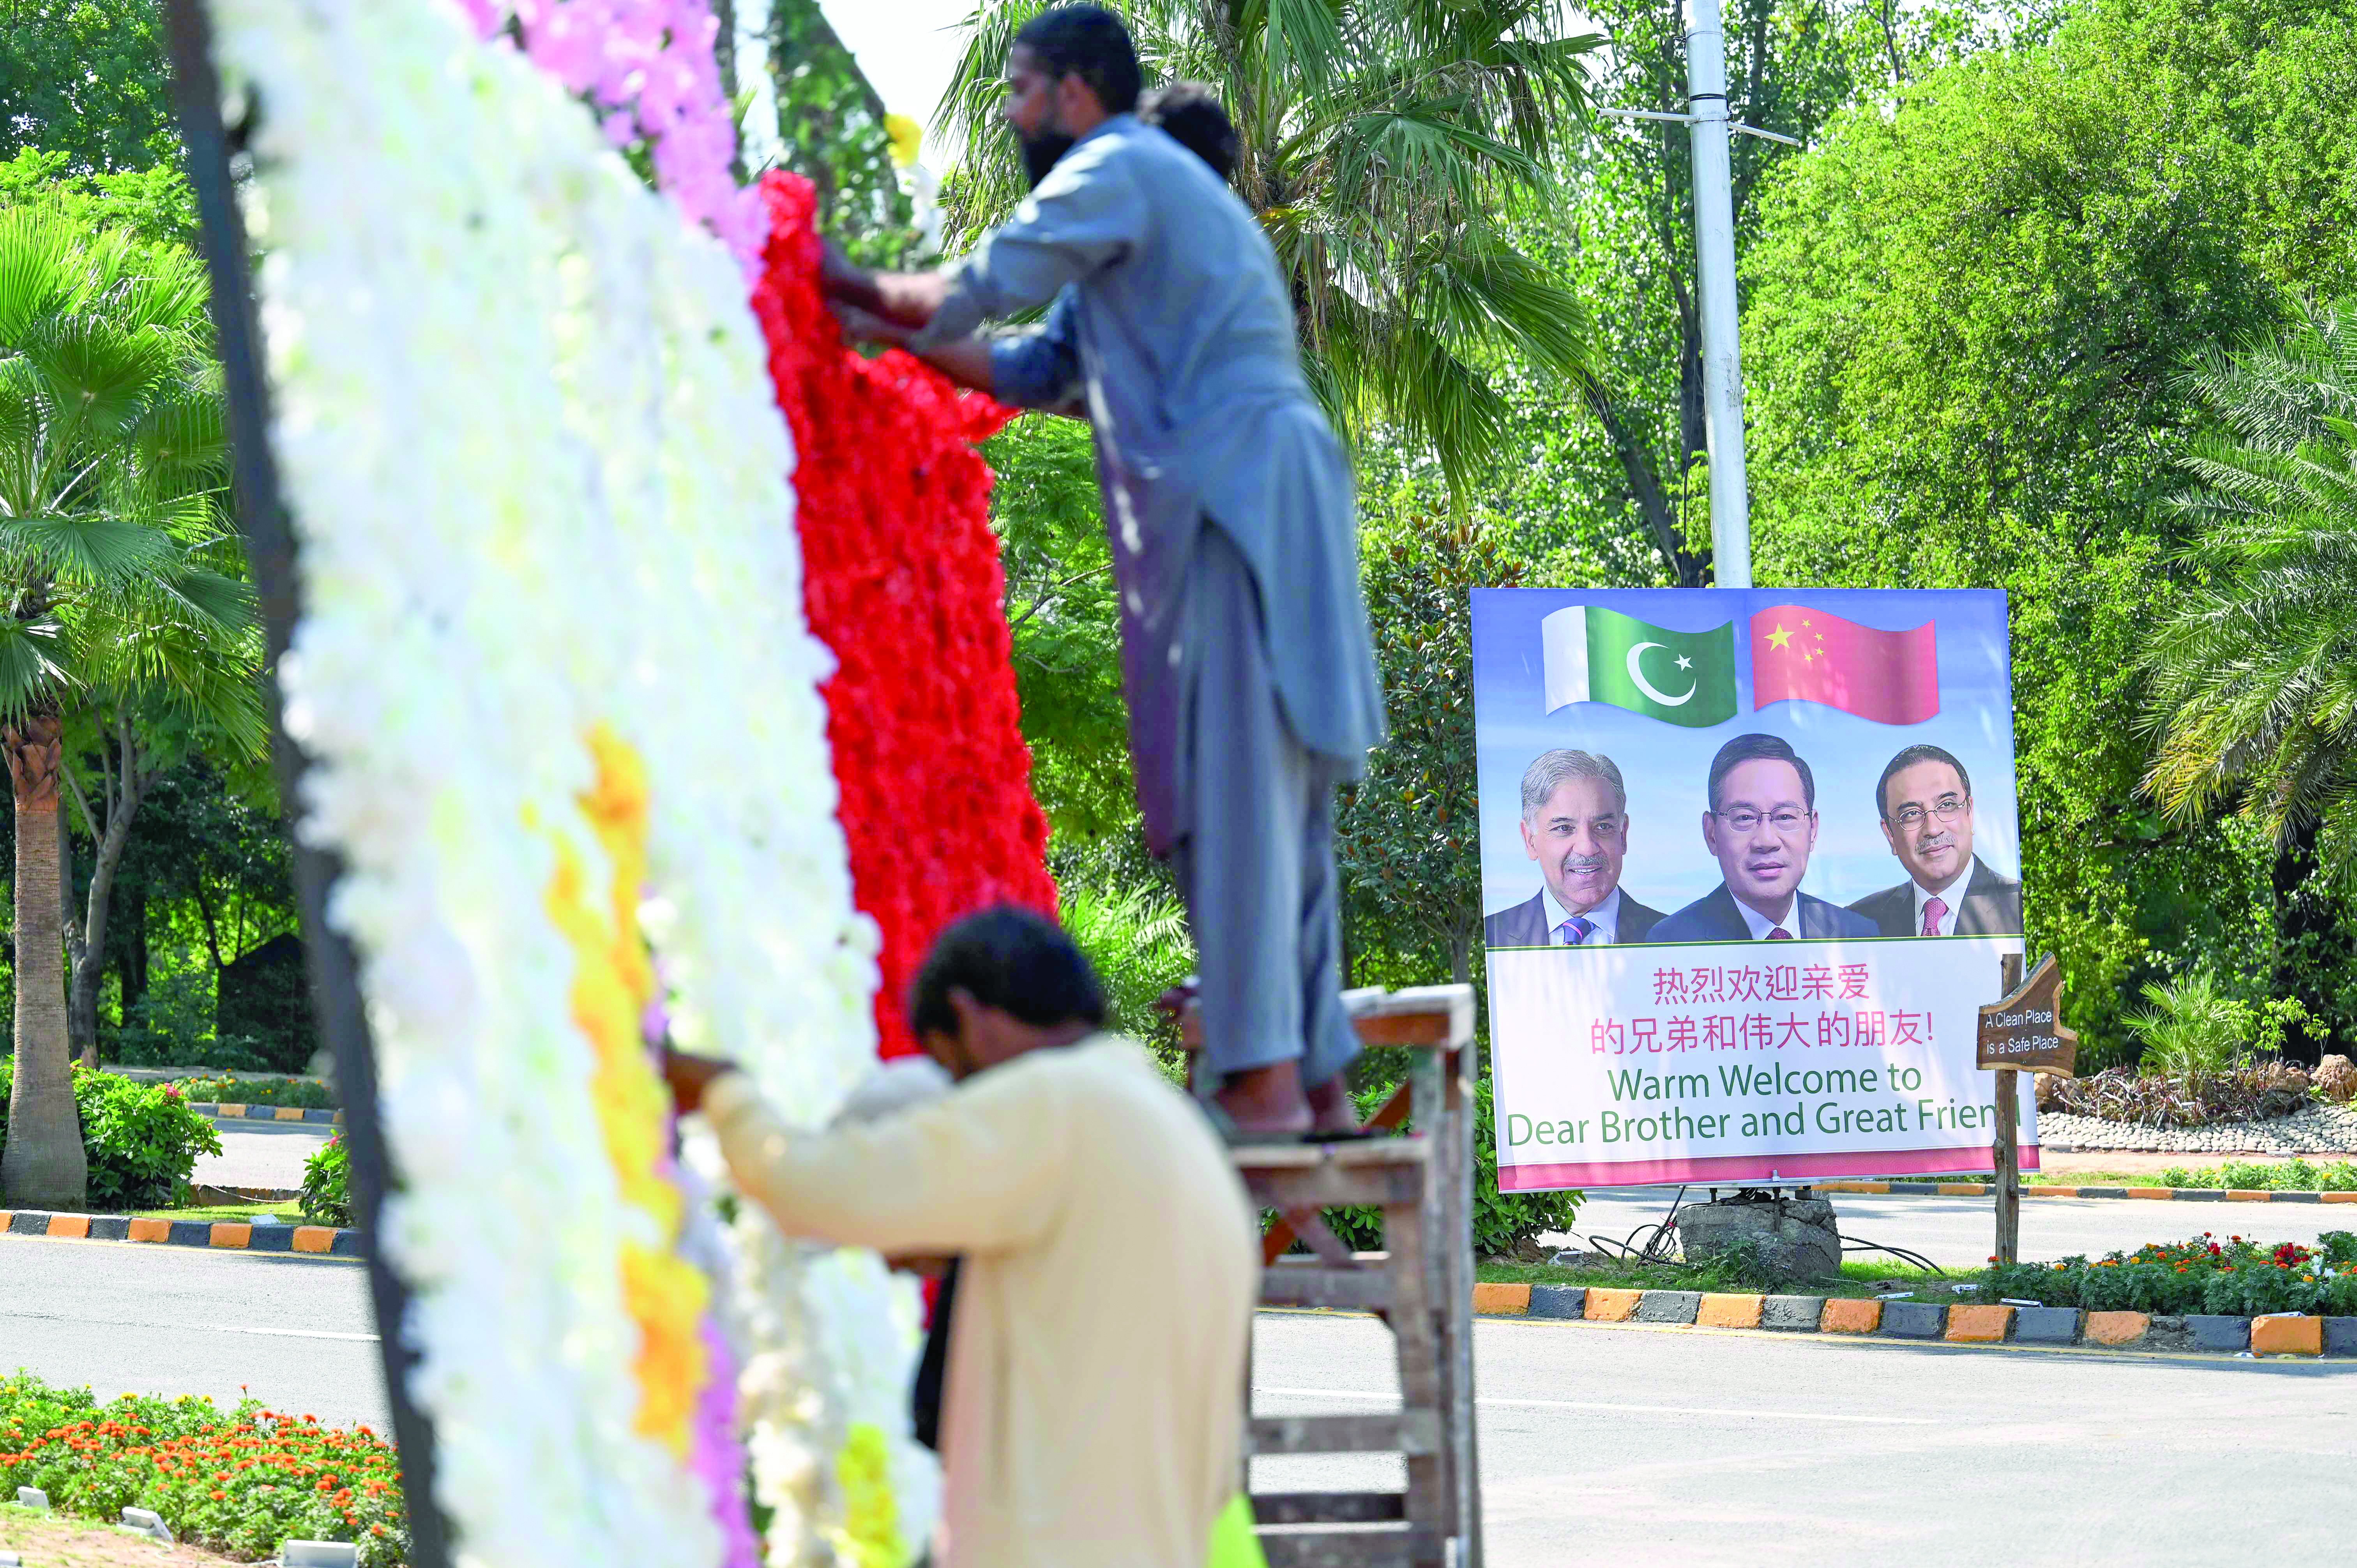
(1908, 758)
(1014, 960)
(1191, 114)
(1756, 748)
(1089, 42)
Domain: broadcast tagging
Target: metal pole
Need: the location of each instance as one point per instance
(270, 552)
(1722, 369)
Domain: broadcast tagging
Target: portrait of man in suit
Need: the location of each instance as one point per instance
(1925, 800)
(1576, 825)
(1761, 825)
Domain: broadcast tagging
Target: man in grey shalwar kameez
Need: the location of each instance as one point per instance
(1250, 673)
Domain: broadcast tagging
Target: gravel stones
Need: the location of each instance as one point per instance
(2313, 1130)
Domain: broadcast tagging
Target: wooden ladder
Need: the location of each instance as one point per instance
(1421, 1284)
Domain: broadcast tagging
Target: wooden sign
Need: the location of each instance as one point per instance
(2024, 1030)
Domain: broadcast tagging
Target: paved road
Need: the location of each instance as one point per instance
(1678, 1447)
(262, 1154)
(1960, 1231)
(172, 1320)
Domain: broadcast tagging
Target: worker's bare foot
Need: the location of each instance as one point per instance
(1330, 1108)
(1266, 1101)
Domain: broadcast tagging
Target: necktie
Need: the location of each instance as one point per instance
(1575, 931)
(1779, 934)
(1935, 911)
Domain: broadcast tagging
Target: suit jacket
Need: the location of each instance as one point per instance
(1714, 917)
(1991, 907)
(1525, 924)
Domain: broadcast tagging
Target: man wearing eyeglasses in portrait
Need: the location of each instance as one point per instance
(1761, 825)
(1925, 799)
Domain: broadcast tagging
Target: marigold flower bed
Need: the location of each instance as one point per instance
(2234, 1277)
(239, 1482)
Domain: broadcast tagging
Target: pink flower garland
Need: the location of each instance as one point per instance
(719, 1458)
(649, 67)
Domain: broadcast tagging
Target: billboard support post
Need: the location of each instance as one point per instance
(2009, 1144)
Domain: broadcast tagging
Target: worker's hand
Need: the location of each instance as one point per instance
(689, 1076)
(840, 278)
(867, 326)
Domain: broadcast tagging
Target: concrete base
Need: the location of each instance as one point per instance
(1788, 1239)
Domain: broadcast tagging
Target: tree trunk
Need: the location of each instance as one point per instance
(2310, 940)
(126, 788)
(42, 1166)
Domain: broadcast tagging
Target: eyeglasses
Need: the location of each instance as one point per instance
(1743, 819)
(1947, 808)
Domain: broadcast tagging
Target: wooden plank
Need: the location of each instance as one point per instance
(1250, 1157)
(1331, 1186)
(1340, 1290)
(2008, 1153)
(1411, 1431)
(1379, 1547)
(1329, 1507)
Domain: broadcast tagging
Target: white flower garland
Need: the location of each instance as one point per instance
(529, 443)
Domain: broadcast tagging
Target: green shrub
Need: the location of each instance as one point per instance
(327, 1195)
(141, 1140)
(2235, 1277)
(1502, 1221)
(1136, 940)
(307, 1093)
(240, 1482)
(2288, 1175)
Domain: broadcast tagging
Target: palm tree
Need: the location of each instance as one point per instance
(1381, 144)
(123, 598)
(2254, 674)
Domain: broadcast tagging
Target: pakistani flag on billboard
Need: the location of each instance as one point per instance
(1595, 655)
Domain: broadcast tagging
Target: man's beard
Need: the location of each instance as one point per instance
(1041, 153)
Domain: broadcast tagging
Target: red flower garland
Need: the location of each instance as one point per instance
(901, 579)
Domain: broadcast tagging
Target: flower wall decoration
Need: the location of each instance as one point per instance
(562, 700)
(903, 582)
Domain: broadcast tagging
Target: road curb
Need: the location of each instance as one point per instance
(231, 1112)
(2179, 1194)
(318, 1240)
(2288, 1336)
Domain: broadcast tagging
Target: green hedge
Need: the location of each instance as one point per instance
(307, 1093)
(141, 1140)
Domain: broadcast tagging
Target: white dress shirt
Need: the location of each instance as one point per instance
(1762, 925)
(1953, 895)
(1605, 918)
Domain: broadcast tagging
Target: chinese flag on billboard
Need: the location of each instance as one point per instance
(1804, 655)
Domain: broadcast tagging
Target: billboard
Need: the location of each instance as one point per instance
(1749, 863)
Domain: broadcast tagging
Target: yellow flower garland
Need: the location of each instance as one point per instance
(665, 1294)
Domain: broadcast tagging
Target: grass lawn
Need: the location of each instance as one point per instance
(1856, 1279)
(291, 1212)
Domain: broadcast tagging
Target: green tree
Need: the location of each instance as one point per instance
(124, 601)
(87, 78)
(1380, 140)
(1967, 315)
(2254, 670)
(830, 123)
